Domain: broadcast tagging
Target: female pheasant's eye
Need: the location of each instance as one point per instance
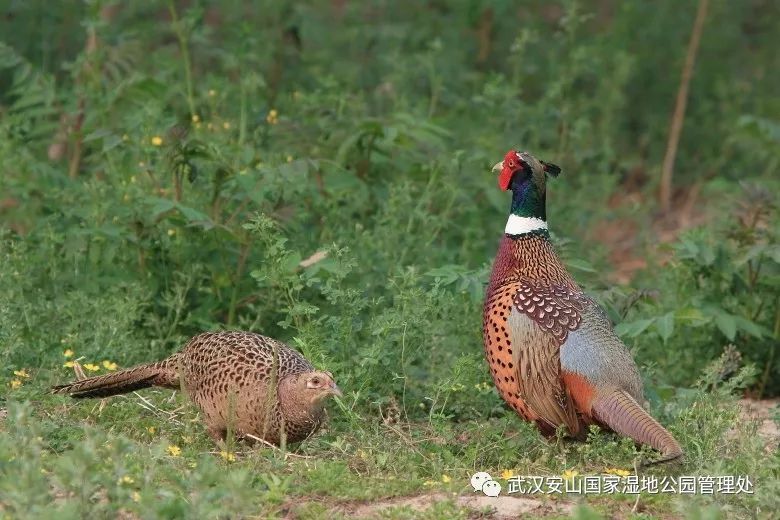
(315, 382)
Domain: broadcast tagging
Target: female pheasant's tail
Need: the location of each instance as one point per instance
(618, 410)
(162, 373)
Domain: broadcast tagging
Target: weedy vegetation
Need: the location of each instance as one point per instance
(319, 172)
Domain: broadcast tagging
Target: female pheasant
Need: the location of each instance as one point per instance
(244, 382)
(553, 354)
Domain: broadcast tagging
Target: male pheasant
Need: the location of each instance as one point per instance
(253, 385)
(553, 354)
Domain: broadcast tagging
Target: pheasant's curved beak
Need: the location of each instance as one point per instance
(497, 167)
(335, 390)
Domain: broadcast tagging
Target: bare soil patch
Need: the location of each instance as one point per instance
(494, 508)
(762, 410)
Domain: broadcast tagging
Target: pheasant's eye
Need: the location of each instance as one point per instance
(315, 381)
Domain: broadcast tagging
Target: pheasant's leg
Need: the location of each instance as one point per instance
(216, 433)
(622, 414)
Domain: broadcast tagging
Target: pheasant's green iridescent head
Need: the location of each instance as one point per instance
(526, 176)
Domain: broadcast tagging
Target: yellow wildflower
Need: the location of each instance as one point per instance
(570, 473)
(429, 483)
(21, 373)
(68, 353)
(126, 480)
(226, 125)
(193, 464)
(174, 451)
(151, 429)
(446, 479)
(507, 474)
(136, 496)
(289, 158)
(228, 456)
(171, 232)
(15, 383)
(212, 92)
(69, 364)
(109, 365)
(617, 471)
(92, 367)
(157, 140)
(272, 117)
(125, 137)
(195, 118)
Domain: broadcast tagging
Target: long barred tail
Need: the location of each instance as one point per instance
(162, 373)
(622, 413)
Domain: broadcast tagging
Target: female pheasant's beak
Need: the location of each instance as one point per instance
(335, 390)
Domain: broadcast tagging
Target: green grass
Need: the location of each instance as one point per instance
(166, 167)
(150, 457)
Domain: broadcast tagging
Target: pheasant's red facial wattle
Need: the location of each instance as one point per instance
(510, 165)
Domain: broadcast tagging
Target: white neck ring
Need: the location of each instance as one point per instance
(521, 225)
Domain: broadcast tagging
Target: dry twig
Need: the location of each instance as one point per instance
(665, 191)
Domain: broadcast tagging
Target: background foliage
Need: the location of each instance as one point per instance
(165, 168)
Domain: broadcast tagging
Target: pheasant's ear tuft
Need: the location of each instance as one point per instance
(551, 169)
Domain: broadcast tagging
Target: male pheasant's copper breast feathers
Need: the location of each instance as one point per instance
(528, 279)
(499, 349)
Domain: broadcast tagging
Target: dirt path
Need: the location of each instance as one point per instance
(498, 508)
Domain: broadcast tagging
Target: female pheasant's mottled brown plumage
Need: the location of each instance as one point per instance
(244, 382)
(553, 354)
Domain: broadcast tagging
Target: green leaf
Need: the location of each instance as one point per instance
(346, 146)
(665, 326)
(193, 215)
(100, 133)
(727, 324)
(706, 255)
(446, 274)
(692, 315)
(159, 206)
(774, 253)
(581, 265)
(753, 252)
(634, 328)
(752, 328)
(291, 261)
